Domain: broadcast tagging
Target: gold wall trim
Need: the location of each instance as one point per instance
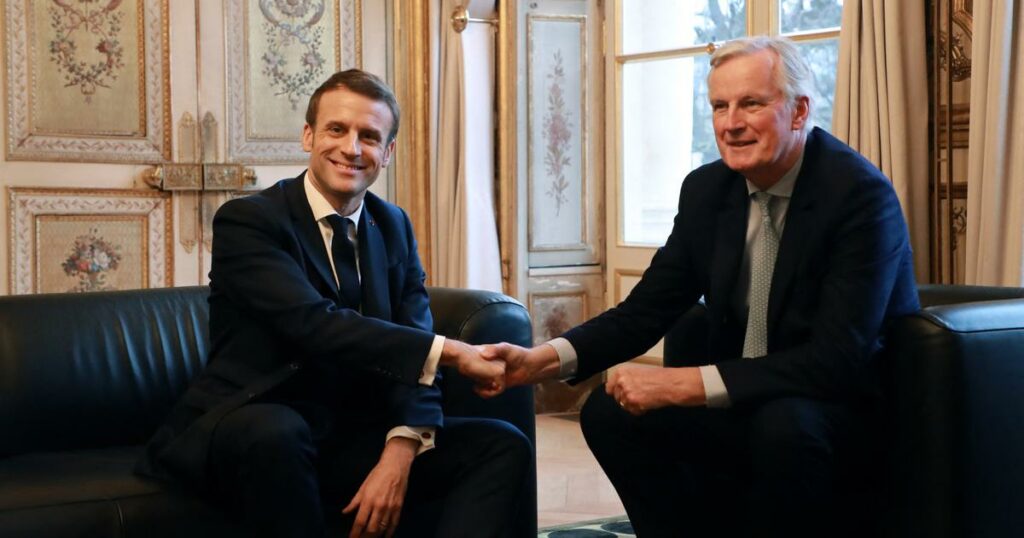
(411, 37)
(507, 163)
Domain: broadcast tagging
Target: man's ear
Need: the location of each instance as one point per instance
(801, 112)
(307, 138)
(388, 151)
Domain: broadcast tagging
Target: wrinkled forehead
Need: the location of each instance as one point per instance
(754, 73)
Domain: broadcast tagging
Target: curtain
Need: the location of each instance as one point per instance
(466, 241)
(881, 103)
(995, 161)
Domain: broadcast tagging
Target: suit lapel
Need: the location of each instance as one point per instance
(308, 232)
(373, 268)
(800, 226)
(730, 240)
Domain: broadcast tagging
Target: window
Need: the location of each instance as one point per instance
(664, 121)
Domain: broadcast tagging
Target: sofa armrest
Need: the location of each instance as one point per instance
(483, 317)
(940, 294)
(955, 376)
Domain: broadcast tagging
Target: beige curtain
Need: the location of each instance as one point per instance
(995, 162)
(466, 241)
(881, 102)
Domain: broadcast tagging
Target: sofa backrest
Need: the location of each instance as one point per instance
(95, 369)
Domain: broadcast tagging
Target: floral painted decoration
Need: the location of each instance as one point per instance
(91, 256)
(290, 25)
(558, 132)
(75, 23)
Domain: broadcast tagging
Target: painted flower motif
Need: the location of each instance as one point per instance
(292, 31)
(90, 257)
(557, 135)
(74, 23)
(293, 8)
(313, 60)
(107, 46)
(273, 59)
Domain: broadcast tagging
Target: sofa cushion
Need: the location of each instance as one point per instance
(94, 493)
(91, 370)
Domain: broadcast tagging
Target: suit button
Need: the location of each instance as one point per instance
(252, 395)
(294, 366)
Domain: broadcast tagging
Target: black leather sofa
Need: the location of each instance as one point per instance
(953, 454)
(86, 378)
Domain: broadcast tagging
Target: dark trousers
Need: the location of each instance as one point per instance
(692, 472)
(271, 472)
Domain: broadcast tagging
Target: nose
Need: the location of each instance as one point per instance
(735, 119)
(349, 144)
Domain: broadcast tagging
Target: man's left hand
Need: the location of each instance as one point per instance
(640, 389)
(379, 500)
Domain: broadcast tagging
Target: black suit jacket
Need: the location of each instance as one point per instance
(843, 270)
(275, 314)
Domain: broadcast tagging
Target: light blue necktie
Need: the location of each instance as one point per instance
(766, 248)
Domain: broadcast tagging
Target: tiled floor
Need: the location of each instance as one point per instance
(571, 485)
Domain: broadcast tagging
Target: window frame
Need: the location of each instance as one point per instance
(762, 19)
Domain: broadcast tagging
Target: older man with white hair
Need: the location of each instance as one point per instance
(799, 249)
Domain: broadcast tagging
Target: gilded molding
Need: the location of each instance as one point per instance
(411, 35)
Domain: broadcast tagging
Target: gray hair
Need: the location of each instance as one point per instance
(792, 75)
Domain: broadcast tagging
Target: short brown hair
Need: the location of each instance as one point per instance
(363, 83)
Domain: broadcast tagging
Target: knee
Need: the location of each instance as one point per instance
(602, 419)
(508, 444)
(789, 431)
(269, 430)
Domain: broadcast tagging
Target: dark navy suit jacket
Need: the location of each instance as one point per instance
(275, 314)
(843, 270)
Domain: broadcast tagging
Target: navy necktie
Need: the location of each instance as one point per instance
(344, 255)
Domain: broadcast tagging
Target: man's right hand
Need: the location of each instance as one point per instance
(524, 366)
(489, 375)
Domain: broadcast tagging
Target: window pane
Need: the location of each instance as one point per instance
(822, 57)
(652, 25)
(809, 15)
(666, 133)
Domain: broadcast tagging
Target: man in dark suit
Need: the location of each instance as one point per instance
(319, 398)
(799, 249)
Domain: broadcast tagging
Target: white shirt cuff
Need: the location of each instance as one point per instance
(424, 434)
(434, 357)
(568, 364)
(714, 387)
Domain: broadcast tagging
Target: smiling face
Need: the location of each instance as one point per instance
(347, 146)
(758, 131)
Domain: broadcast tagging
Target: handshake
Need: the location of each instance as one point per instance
(495, 367)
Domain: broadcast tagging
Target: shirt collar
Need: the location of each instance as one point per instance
(321, 207)
(784, 187)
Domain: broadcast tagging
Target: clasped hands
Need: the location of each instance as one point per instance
(638, 389)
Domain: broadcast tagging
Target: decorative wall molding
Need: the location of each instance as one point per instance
(52, 64)
(277, 53)
(47, 225)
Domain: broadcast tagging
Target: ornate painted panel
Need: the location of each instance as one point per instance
(558, 301)
(557, 131)
(277, 53)
(87, 80)
(75, 240)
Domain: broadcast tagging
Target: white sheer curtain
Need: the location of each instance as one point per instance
(466, 240)
(881, 102)
(995, 162)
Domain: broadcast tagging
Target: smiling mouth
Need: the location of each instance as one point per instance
(741, 144)
(347, 166)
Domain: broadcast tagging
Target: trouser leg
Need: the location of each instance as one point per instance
(792, 444)
(665, 465)
(262, 465)
(469, 485)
